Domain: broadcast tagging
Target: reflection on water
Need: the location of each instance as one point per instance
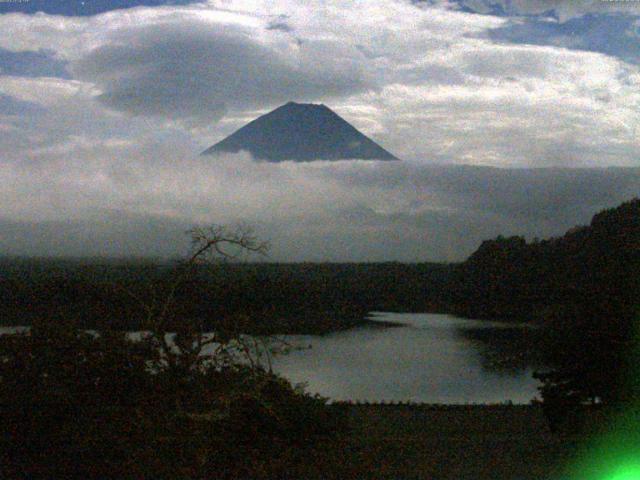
(433, 358)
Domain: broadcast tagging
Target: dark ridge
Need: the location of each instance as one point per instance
(301, 132)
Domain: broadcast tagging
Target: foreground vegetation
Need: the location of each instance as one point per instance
(79, 404)
(74, 403)
(89, 407)
(506, 442)
(263, 298)
(506, 278)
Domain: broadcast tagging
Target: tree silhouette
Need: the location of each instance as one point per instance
(168, 404)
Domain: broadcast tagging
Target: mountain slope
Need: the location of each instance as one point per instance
(301, 132)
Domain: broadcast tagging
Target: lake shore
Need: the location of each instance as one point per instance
(444, 442)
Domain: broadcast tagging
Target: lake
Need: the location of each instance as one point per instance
(431, 358)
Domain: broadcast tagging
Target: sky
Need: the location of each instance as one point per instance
(510, 117)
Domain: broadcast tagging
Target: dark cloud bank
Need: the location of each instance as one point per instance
(194, 70)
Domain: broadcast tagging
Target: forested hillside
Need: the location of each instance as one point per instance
(259, 297)
(591, 267)
(594, 266)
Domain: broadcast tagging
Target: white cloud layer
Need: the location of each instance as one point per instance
(152, 87)
(339, 211)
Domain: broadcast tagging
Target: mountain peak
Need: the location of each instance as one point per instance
(291, 103)
(301, 132)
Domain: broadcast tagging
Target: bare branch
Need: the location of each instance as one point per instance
(213, 243)
(214, 240)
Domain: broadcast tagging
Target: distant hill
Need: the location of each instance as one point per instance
(301, 132)
(594, 267)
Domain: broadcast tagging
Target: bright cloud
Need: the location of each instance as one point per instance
(151, 87)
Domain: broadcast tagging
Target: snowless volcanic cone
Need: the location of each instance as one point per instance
(301, 132)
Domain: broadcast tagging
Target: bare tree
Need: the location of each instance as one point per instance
(185, 351)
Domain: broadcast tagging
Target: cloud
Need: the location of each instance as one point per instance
(10, 106)
(560, 9)
(614, 35)
(198, 70)
(344, 211)
(80, 7)
(193, 61)
(31, 64)
(114, 234)
(428, 83)
(511, 105)
(108, 154)
(280, 23)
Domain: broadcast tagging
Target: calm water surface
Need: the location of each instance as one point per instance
(430, 359)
